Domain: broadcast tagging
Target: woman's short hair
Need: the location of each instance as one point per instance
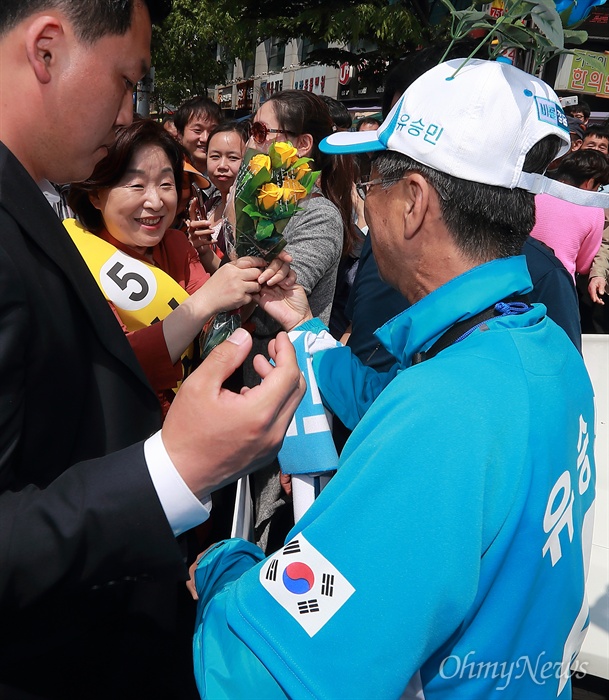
(110, 170)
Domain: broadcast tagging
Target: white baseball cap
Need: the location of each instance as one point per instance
(475, 120)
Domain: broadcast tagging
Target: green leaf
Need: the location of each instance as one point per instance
(575, 37)
(520, 8)
(524, 36)
(300, 162)
(252, 212)
(471, 15)
(264, 229)
(548, 20)
(308, 180)
(246, 192)
(593, 61)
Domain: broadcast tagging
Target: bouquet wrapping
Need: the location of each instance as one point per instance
(267, 192)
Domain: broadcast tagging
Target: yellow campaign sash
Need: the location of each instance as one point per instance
(141, 293)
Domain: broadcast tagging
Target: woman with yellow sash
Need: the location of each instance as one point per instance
(149, 273)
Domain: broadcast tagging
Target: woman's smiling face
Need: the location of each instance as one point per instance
(141, 206)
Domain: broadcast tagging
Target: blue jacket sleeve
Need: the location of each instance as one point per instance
(218, 653)
(248, 638)
(348, 388)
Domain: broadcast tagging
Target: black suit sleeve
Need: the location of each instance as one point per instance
(99, 520)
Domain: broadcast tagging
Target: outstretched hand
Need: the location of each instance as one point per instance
(279, 271)
(596, 289)
(214, 436)
(289, 306)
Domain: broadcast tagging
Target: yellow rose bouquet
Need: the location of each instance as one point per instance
(268, 190)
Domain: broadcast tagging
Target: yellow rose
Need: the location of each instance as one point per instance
(293, 191)
(283, 154)
(302, 170)
(259, 161)
(268, 195)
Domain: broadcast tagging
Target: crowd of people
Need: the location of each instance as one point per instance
(437, 296)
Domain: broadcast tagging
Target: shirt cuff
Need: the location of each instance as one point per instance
(315, 325)
(182, 508)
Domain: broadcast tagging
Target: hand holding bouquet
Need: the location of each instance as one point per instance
(268, 190)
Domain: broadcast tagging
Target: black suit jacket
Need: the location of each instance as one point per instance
(73, 533)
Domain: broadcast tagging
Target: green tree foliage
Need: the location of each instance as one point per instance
(393, 27)
(184, 49)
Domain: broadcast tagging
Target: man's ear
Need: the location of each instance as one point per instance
(44, 37)
(416, 193)
(576, 144)
(590, 184)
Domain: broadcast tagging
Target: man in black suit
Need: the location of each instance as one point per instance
(93, 494)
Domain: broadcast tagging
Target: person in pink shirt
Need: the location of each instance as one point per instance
(574, 232)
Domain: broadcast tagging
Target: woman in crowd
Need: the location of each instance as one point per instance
(225, 149)
(150, 273)
(316, 238)
(319, 235)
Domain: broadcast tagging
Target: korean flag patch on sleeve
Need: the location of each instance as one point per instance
(306, 584)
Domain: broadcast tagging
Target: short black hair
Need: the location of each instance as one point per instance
(91, 19)
(581, 106)
(600, 130)
(194, 107)
(582, 165)
(485, 221)
(340, 114)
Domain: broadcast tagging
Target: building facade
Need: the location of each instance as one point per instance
(280, 66)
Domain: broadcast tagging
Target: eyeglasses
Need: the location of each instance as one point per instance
(364, 187)
(259, 131)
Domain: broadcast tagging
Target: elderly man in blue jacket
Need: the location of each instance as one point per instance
(447, 557)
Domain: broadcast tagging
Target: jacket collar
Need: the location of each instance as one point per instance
(23, 199)
(418, 328)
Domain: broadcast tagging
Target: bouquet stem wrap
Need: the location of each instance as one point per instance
(266, 194)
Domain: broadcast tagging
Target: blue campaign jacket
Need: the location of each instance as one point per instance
(447, 554)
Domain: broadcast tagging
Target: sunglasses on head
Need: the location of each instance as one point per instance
(259, 131)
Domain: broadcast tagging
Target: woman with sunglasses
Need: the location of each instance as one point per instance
(316, 237)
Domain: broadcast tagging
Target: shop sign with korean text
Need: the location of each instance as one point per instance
(584, 71)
